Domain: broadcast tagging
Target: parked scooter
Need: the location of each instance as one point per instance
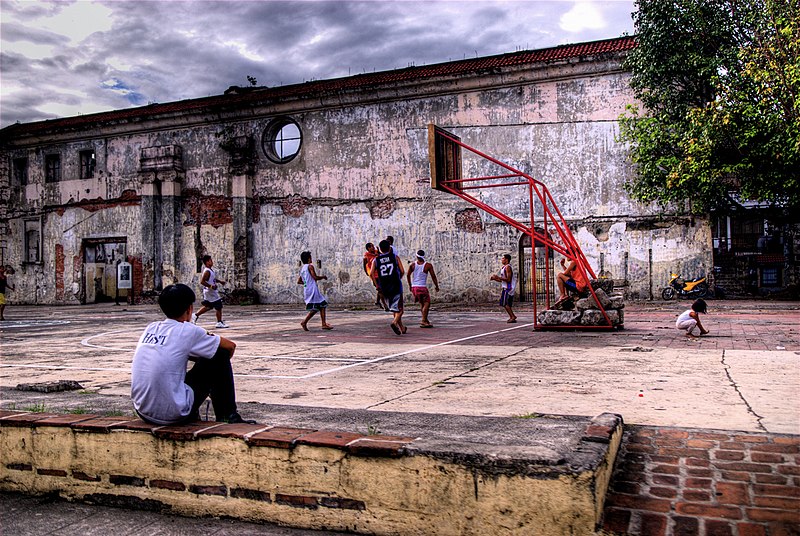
(695, 288)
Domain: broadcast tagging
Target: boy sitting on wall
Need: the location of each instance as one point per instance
(161, 390)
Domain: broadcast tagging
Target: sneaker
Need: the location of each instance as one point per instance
(221, 325)
(235, 418)
(194, 318)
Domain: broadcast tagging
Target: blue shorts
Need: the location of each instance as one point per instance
(395, 303)
(507, 298)
(570, 284)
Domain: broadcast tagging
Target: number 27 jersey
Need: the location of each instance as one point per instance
(388, 274)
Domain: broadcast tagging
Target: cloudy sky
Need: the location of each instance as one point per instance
(64, 58)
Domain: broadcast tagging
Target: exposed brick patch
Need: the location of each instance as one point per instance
(294, 206)
(251, 494)
(469, 220)
(278, 437)
(718, 528)
(765, 457)
(80, 475)
(100, 424)
(696, 495)
(184, 432)
(126, 501)
(51, 472)
(64, 420)
(653, 524)
(721, 484)
(329, 439)
(298, 501)
(220, 491)
(126, 480)
(380, 210)
(378, 445)
(214, 210)
(685, 526)
(616, 521)
(19, 466)
(167, 484)
(24, 419)
(60, 258)
(230, 430)
(345, 504)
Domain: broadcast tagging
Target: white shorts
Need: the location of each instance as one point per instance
(687, 325)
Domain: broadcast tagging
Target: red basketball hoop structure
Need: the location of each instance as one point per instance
(550, 230)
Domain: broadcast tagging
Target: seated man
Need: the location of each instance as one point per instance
(161, 390)
(571, 278)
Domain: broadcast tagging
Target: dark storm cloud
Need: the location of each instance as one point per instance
(161, 51)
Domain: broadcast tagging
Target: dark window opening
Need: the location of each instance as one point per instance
(20, 172)
(33, 241)
(88, 163)
(52, 168)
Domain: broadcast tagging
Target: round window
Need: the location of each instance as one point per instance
(282, 140)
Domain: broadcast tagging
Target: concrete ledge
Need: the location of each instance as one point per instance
(432, 474)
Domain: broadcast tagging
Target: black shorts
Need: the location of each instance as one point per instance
(212, 304)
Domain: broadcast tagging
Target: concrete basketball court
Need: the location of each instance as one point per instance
(744, 376)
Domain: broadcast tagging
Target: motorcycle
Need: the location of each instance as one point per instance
(677, 286)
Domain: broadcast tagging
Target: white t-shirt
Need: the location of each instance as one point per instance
(210, 294)
(158, 371)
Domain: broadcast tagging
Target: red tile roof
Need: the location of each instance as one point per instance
(245, 96)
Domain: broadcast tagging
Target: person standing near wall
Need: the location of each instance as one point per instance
(507, 282)
(369, 258)
(390, 278)
(315, 301)
(211, 297)
(417, 277)
(3, 286)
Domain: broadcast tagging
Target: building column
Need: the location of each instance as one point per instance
(161, 172)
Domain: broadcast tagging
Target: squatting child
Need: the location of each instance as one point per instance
(690, 319)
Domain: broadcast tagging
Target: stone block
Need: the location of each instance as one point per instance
(552, 317)
(590, 303)
(594, 317)
(606, 284)
(617, 301)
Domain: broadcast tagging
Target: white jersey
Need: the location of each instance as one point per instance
(419, 278)
(158, 391)
(507, 285)
(209, 294)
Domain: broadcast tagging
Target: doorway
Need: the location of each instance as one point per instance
(544, 276)
(100, 259)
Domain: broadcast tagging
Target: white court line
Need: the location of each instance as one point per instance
(378, 359)
(270, 376)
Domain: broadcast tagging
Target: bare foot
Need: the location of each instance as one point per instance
(691, 335)
(512, 320)
(704, 332)
(304, 326)
(403, 330)
(327, 326)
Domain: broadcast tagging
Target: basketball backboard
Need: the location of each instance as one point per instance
(445, 156)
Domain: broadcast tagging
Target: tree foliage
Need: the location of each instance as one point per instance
(719, 81)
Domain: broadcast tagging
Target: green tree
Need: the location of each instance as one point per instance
(719, 80)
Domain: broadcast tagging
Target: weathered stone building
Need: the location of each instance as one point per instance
(257, 175)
